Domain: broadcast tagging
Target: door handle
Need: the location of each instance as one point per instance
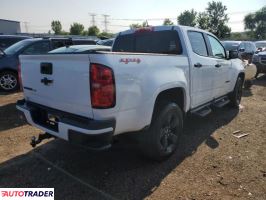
(218, 65)
(198, 65)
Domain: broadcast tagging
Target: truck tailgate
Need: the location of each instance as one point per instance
(58, 81)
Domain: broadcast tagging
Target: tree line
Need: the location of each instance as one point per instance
(78, 29)
(214, 19)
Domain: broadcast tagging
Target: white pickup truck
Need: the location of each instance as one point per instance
(152, 78)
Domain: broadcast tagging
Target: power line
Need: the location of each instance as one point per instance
(26, 26)
(92, 18)
(105, 22)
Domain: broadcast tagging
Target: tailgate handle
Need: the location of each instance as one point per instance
(46, 81)
(47, 68)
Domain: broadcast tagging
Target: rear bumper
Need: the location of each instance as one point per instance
(96, 134)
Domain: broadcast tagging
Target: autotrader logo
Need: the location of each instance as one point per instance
(27, 193)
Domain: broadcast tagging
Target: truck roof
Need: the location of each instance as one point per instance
(162, 28)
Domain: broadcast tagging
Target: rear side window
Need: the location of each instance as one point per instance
(81, 42)
(161, 42)
(58, 44)
(6, 42)
(37, 48)
(198, 43)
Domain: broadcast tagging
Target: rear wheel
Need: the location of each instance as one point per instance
(8, 81)
(162, 138)
(236, 95)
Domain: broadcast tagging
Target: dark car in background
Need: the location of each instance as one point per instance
(231, 45)
(9, 58)
(246, 50)
(107, 42)
(8, 40)
(259, 59)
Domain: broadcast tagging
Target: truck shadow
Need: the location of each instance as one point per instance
(261, 81)
(120, 171)
(9, 117)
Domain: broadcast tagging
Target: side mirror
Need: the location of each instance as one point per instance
(233, 54)
(241, 50)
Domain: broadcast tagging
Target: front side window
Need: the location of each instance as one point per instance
(37, 48)
(216, 47)
(197, 43)
(15, 48)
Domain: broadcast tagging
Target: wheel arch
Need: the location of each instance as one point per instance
(175, 94)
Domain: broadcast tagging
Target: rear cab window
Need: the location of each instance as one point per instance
(158, 42)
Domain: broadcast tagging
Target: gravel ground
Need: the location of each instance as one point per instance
(210, 163)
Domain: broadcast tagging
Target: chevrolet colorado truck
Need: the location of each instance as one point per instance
(147, 84)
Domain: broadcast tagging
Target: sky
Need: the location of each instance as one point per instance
(36, 15)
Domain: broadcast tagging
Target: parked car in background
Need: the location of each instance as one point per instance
(250, 69)
(107, 42)
(8, 40)
(231, 45)
(9, 60)
(259, 59)
(150, 80)
(246, 50)
(83, 41)
(80, 49)
(261, 45)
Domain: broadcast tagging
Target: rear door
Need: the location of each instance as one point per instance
(202, 71)
(58, 81)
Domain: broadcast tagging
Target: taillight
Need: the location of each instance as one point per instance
(19, 77)
(102, 85)
(144, 30)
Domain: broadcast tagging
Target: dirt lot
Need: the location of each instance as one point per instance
(210, 163)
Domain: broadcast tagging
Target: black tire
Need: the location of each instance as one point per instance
(247, 84)
(163, 136)
(9, 81)
(236, 95)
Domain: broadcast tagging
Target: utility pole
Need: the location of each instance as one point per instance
(105, 22)
(26, 26)
(92, 18)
